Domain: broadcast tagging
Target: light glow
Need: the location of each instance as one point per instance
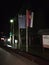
(16, 41)
(9, 46)
(11, 20)
(2, 38)
(9, 39)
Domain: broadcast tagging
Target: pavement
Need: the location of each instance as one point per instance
(35, 59)
(7, 58)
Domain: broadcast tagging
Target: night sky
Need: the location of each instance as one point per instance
(9, 9)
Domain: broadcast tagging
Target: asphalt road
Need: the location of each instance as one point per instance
(7, 58)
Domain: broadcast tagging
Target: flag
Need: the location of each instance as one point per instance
(28, 18)
(21, 21)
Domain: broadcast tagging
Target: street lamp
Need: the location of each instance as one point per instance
(11, 20)
(12, 32)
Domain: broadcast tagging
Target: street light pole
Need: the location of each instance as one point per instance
(13, 34)
(12, 31)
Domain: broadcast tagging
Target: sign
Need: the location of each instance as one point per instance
(45, 41)
(11, 33)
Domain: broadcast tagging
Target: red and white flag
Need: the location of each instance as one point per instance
(28, 18)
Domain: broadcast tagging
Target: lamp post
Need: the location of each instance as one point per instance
(12, 32)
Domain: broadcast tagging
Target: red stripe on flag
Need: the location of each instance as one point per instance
(28, 18)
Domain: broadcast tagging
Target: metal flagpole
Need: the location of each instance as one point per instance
(19, 32)
(26, 39)
(26, 30)
(19, 38)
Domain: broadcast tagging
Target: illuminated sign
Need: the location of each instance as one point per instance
(45, 41)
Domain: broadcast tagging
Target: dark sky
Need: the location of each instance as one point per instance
(10, 8)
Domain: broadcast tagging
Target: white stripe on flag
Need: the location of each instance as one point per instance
(31, 24)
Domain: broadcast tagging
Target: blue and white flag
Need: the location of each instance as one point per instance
(21, 21)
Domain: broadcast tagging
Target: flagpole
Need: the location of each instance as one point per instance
(19, 35)
(19, 38)
(26, 30)
(26, 39)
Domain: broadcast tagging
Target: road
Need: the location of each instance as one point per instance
(7, 58)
